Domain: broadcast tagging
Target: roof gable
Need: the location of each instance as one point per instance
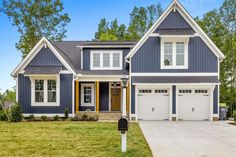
(175, 6)
(174, 21)
(45, 57)
(42, 43)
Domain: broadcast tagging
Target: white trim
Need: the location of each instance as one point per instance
(17, 88)
(111, 53)
(171, 102)
(33, 53)
(172, 36)
(174, 74)
(101, 78)
(45, 92)
(92, 94)
(174, 53)
(107, 46)
(182, 84)
(82, 58)
(65, 72)
(46, 114)
(73, 95)
(191, 22)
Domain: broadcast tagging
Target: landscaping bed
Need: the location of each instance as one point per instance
(69, 138)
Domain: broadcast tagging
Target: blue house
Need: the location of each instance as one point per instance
(173, 74)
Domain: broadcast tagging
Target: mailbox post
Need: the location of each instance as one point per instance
(123, 122)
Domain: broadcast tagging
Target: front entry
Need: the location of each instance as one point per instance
(115, 99)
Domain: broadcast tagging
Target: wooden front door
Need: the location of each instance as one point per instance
(115, 99)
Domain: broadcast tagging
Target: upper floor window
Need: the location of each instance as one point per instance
(106, 60)
(174, 53)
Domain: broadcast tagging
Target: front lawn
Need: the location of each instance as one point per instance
(72, 139)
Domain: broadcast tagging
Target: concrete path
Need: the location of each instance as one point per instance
(190, 138)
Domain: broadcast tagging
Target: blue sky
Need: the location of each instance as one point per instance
(85, 16)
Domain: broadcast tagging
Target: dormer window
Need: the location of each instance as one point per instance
(106, 60)
(174, 53)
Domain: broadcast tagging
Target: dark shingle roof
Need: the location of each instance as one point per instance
(42, 70)
(175, 79)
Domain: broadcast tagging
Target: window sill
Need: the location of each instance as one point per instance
(45, 104)
(87, 105)
(119, 68)
(174, 67)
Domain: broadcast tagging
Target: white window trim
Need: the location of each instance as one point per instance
(45, 92)
(174, 40)
(111, 52)
(92, 94)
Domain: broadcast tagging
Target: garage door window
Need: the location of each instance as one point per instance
(145, 91)
(201, 91)
(185, 91)
(161, 91)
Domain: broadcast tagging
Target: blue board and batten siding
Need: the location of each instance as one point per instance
(103, 97)
(86, 56)
(45, 57)
(24, 96)
(200, 58)
(174, 21)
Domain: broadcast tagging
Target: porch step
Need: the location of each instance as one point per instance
(109, 116)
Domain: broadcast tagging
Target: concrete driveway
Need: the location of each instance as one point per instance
(190, 138)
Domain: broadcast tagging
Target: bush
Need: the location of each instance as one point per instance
(86, 116)
(3, 116)
(234, 115)
(44, 118)
(31, 117)
(56, 118)
(66, 112)
(16, 113)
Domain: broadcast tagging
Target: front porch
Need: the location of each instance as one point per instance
(101, 97)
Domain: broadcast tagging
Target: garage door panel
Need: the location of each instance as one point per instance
(153, 105)
(193, 104)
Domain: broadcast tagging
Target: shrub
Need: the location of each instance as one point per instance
(66, 112)
(234, 115)
(30, 117)
(44, 118)
(87, 116)
(56, 118)
(16, 113)
(3, 116)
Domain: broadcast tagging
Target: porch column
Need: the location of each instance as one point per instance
(127, 97)
(97, 96)
(76, 96)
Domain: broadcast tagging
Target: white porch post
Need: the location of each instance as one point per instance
(124, 102)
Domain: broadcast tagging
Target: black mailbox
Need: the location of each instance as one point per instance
(123, 124)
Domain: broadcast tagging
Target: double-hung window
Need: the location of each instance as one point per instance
(174, 53)
(44, 92)
(106, 60)
(39, 90)
(87, 94)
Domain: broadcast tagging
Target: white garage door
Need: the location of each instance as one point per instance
(194, 104)
(153, 104)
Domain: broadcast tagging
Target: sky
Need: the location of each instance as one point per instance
(85, 16)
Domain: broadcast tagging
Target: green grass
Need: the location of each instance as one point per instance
(72, 139)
